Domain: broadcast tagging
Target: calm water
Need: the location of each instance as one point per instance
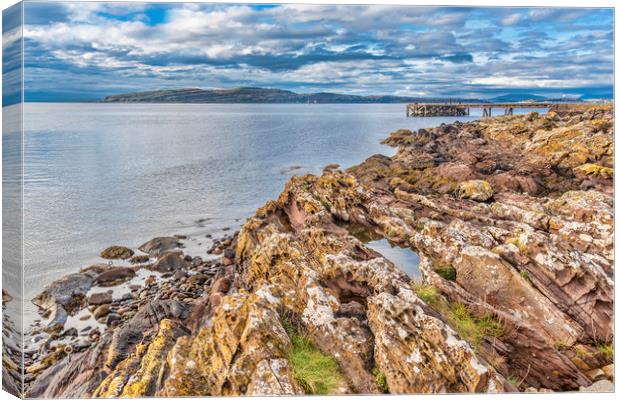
(102, 174)
(404, 258)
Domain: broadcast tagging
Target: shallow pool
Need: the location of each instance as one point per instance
(404, 258)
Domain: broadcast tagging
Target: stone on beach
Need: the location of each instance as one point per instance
(97, 299)
(117, 252)
(159, 245)
(115, 276)
(170, 261)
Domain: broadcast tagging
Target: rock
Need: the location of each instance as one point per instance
(101, 311)
(197, 279)
(117, 252)
(139, 374)
(478, 190)
(330, 167)
(75, 375)
(133, 331)
(64, 296)
(412, 366)
(247, 327)
(112, 318)
(70, 332)
(140, 259)
(608, 370)
(602, 386)
(179, 275)
(115, 276)
(159, 245)
(227, 261)
(97, 299)
(596, 374)
(273, 377)
(170, 261)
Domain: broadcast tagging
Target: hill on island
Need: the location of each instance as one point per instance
(259, 95)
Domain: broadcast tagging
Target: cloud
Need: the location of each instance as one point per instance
(113, 47)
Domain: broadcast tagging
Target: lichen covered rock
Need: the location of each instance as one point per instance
(478, 190)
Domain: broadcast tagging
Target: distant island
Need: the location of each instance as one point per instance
(257, 95)
(264, 95)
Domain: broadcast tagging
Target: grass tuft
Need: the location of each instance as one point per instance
(381, 380)
(446, 271)
(428, 293)
(316, 372)
(473, 329)
(470, 328)
(607, 350)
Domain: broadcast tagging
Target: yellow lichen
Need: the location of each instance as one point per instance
(595, 170)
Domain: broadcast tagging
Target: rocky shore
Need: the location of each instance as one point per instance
(512, 220)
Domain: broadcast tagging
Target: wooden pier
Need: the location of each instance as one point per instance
(463, 109)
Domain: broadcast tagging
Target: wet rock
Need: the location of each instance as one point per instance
(330, 167)
(117, 252)
(112, 319)
(115, 276)
(64, 296)
(139, 259)
(170, 261)
(159, 245)
(70, 332)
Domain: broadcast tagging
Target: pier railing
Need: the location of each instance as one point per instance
(462, 109)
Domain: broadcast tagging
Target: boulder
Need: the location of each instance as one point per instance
(159, 245)
(228, 357)
(170, 261)
(115, 276)
(117, 252)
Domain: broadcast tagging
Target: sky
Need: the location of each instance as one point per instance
(85, 51)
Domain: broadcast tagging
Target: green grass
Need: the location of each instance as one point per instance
(316, 372)
(519, 244)
(581, 352)
(472, 329)
(446, 271)
(428, 293)
(513, 381)
(525, 275)
(606, 350)
(381, 380)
